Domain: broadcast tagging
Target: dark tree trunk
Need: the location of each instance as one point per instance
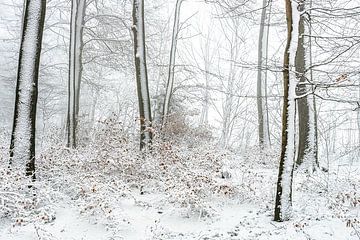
(307, 148)
(283, 202)
(303, 104)
(141, 73)
(22, 146)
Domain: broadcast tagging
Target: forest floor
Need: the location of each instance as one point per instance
(326, 206)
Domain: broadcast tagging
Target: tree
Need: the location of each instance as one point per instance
(231, 30)
(22, 146)
(314, 116)
(78, 8)
(283, 202)
(307, 150)
(141, 73)
(263, 115)
(171, 74)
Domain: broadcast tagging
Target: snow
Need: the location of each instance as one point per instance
(309, 158)
(107, 190)
(286, 207)
(22, 132)
(141, 55)
(319, 211)
(68, 225)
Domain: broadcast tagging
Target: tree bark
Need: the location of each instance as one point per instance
(171, 74)
(283, 202)
(302, 103)
(263, 121)
(307, 149)
(78, 8)
(138, 30)
(313, 111)
(22, 146)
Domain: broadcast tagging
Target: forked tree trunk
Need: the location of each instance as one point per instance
(22, 146)
(78, 8)
(263, 120)
(141, 73)
(171, 74)
(283, 202)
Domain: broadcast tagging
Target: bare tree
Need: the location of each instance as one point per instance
(78, 8)
(141, 73)
(171, 74)
(22, 146)
(263, 115)
(283, 202)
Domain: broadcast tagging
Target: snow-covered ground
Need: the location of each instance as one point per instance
(179, 195)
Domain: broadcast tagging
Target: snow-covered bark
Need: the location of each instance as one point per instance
(307, 151)
(22, 147)
(263, 119)
(313, 120)
(171, 74)
(227, 121)
(204, 116)
(283, 204)
(138, 30)
(75, 68)
(312, 159)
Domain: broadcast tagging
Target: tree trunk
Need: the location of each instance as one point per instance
(204, 117)
(313, 111)
(170, 82)
(228, 107)
(141, 73)
(263, 121)
(22, 146)
(78, 8)
(283, 202)
(307, 150)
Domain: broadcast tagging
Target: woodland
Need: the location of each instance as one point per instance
(179, 119)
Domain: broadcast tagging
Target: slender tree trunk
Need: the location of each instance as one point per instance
(207, 57)
(141, 73)
(263, 121)
(283, 202)
(229, 97)
(22, 146)
(227, 109)
(78, 8)
(313, 143)
(204, 118)
(170, 82)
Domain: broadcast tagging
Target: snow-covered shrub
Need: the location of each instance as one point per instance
(110, 167)
(179, 130)
(20, 202)
(186, 172)
(188, 177)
